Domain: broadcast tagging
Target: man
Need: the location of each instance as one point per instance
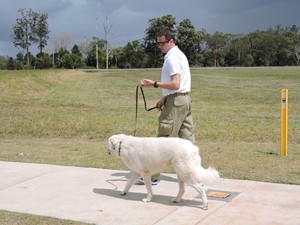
(175, 119)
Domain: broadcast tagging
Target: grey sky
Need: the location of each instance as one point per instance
(129, 18)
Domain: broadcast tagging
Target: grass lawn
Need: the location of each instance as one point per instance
(65, 117)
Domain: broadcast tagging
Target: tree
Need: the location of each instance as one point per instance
(215, 44)
(24, 31)
(42, 31)
(75, 51)
(188, 40)
(20, 57)
(297, 54)
(91, 59)
(14, 64)
(60, 45)
(107, 27)
(240, 45)
(31, 28)
(61, 42)
(43, 61)
(265, 47)
(3, 62)
(133, 56)
(156, 24)
(76, 56)
(117, 55)
(85, 46)
(294, 40)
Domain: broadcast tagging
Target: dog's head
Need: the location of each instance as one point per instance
(114, 143)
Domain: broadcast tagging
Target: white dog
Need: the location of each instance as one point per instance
(149, 156)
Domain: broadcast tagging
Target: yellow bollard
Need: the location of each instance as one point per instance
(284, 122)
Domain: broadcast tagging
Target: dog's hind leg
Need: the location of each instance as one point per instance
(130, 182)
(180, 192)
(199, 187)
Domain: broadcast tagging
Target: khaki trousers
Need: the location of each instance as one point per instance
(176, 119)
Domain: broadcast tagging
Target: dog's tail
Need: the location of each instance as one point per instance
(209, 175)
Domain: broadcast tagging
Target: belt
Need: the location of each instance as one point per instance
(178, 94)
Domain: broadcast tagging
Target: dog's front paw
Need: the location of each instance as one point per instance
(205, 206)
(175, 200)
(146, 200)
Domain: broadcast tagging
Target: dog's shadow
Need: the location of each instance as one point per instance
(136, 196)
(127, 175)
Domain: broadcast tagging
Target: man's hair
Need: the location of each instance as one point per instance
(167, 33)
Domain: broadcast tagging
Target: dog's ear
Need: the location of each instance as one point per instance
(113, 141)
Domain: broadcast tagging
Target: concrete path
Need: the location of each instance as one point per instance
(93, 196)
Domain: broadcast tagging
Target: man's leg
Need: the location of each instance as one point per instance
(187, 129)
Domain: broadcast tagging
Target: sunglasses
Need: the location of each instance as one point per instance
(162, 43)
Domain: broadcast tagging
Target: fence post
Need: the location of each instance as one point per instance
(284, 122)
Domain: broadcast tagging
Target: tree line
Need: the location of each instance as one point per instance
(276, 46)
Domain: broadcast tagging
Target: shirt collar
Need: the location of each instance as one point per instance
(171, 50)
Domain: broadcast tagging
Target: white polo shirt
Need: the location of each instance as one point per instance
(175, 62)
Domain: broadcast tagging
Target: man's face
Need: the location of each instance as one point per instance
(163, 44)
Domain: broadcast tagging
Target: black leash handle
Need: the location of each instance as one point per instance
(136, 104)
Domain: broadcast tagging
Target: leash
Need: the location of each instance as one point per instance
(136, 104)
(111, 183)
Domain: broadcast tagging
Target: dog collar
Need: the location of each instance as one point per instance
(120, 145)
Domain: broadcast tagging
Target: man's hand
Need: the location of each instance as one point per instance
(146, 83)
(160, 104)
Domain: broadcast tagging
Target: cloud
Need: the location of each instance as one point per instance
(129, 18)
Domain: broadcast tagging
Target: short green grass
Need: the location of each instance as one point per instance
(65, 117)
(12, 218)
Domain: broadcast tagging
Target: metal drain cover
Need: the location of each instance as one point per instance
(220, 195)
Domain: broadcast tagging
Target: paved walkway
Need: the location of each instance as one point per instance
(93, 196)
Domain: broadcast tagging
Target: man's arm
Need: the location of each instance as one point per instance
(174, 84)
